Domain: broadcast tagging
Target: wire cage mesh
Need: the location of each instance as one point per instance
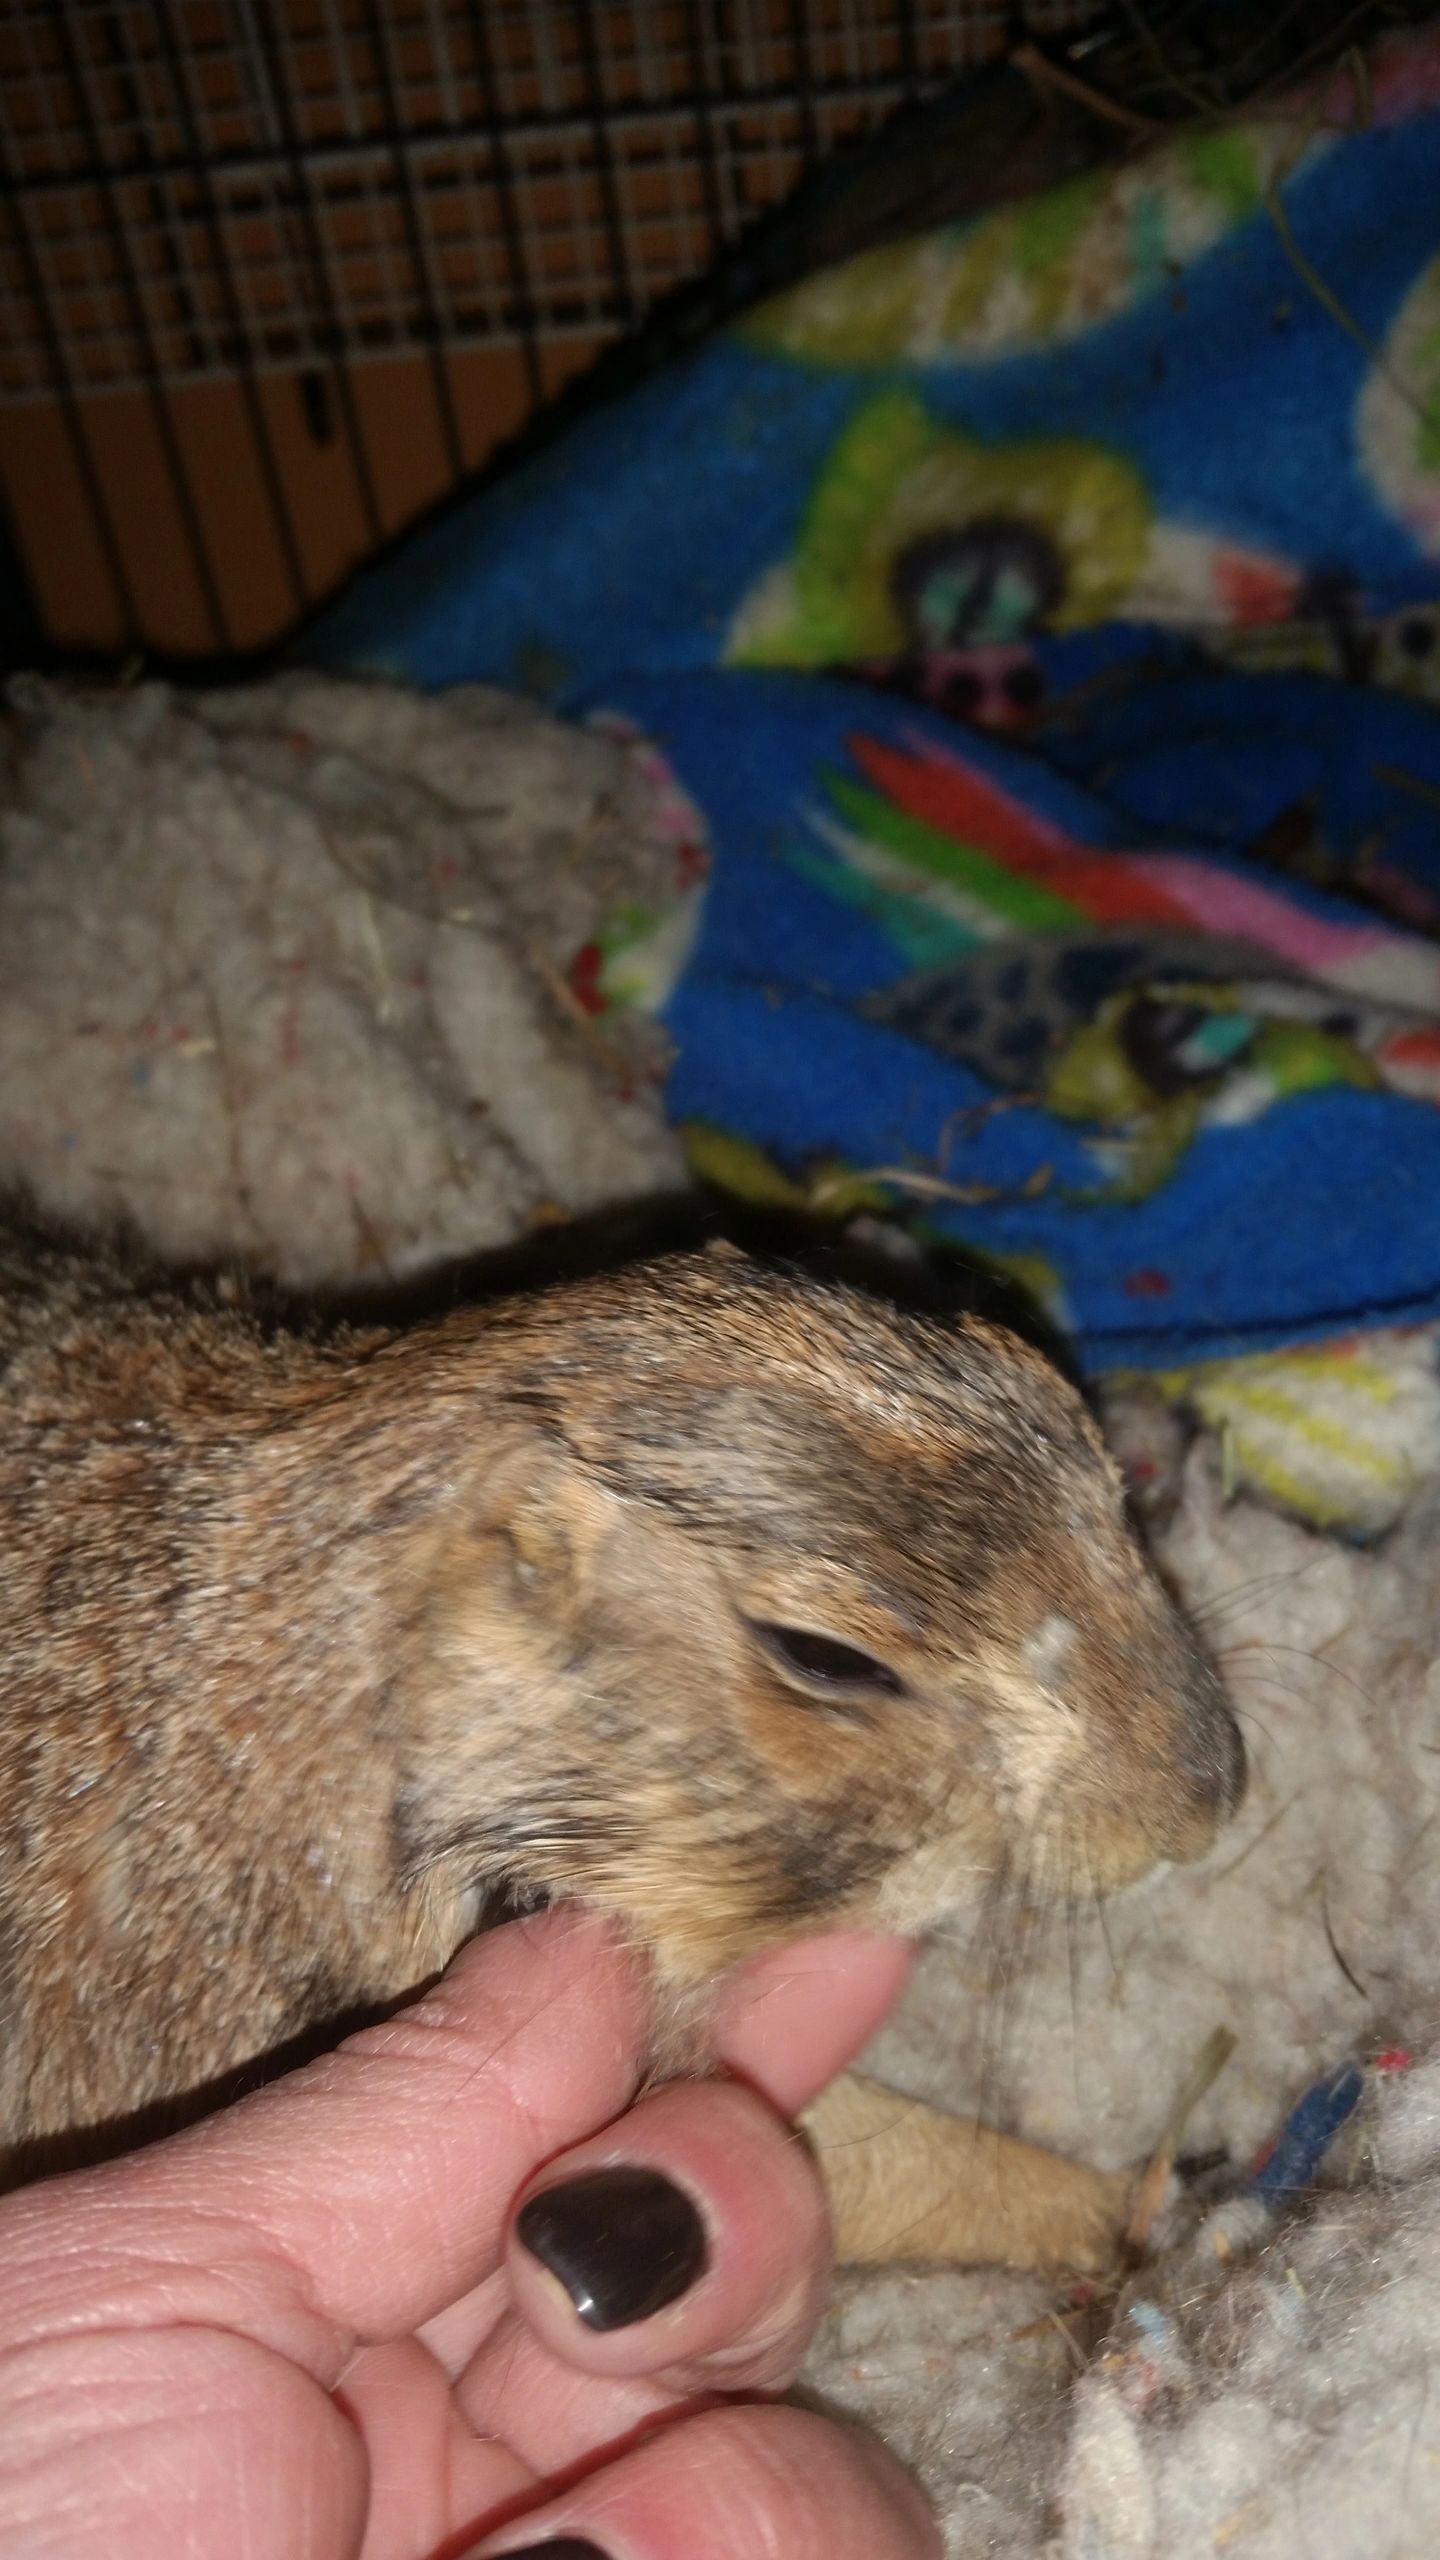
(274, 274)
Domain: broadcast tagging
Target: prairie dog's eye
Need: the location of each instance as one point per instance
(823, 1662)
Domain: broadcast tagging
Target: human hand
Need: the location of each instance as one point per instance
(309, 2328)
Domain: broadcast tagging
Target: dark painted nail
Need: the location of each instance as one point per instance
(623, 2242)
(571, 2546)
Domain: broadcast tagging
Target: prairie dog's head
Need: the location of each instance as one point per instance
(780, 1608)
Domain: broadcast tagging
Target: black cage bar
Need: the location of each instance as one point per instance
(221, 216)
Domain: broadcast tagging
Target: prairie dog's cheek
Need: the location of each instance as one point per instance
(805, 1744)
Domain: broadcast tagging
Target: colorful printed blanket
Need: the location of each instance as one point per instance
(1045, 617)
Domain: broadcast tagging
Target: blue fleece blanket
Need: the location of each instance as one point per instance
(1045, 617)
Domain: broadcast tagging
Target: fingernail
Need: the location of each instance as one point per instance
(623, 2242)
(571, 2546)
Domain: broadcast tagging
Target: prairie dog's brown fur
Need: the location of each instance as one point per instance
(316, 1641)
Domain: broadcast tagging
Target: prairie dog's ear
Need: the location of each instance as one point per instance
(720, 1249)
(531, 1540)
(548, 1554)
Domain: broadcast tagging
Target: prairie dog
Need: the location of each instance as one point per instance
(736, 1603)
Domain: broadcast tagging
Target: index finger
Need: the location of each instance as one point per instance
(788, 2021)
(355, 2199)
